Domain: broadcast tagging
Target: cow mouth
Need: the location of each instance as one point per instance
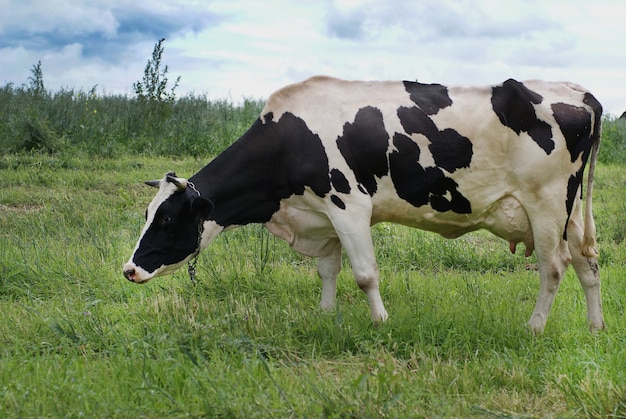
(138, 275)
(132, 274)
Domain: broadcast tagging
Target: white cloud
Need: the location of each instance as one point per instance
(65, 17)
(232, 48)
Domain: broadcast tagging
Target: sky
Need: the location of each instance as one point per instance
(235, 49)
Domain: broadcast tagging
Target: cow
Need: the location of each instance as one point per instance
(328, 158)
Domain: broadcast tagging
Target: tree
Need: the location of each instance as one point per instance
(36, 80)
(153, 87)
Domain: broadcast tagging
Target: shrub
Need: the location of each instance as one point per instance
(110, 125)
(613, 143)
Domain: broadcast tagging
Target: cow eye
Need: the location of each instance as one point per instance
(164, 220)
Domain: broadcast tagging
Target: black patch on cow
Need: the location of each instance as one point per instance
(270, 162)
(364, 146)
(173, 234)
(513, 104)
(337, 201)
(339, 181)
(415, 121)
(575, 124)
(430, 98)
(406, 172)
(422, 186)
(450, 150)
(572, 186)
(596, 107)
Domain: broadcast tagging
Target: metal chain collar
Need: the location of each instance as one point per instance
(191, 265)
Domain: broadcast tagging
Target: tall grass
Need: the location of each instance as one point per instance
(613, 143)
(70, 121)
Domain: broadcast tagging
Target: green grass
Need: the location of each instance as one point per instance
(71, 121)
(613, 143)
(78, 340)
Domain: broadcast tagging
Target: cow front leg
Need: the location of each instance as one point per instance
(368, 280)
(356, 239)
(328, 268)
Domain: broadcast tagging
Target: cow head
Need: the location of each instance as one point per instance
(173, 232)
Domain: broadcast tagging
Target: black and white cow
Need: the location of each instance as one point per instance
(329, 158)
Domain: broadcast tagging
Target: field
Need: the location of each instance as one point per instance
(248, 340)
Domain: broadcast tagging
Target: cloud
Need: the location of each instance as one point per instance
(235, 48)
(436, 21)
(454, 36)
(54, 16)
(346, 25)
(102, 29)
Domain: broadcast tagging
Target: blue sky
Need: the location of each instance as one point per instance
(233, 49)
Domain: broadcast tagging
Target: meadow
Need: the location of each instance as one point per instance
(248, 339)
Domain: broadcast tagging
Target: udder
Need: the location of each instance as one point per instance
(508, 219)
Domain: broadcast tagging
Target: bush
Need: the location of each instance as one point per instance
(154, 122)
(613, 143)
(112, 125)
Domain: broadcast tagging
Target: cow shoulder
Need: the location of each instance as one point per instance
(293, 96)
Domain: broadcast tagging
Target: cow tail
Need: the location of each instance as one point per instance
(589, 245)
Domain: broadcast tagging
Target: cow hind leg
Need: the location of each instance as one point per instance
(328, 268)
(587, 271)
(553, 257)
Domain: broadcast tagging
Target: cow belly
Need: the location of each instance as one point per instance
(506, 218)
(311, 232)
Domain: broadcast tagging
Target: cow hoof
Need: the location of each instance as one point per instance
(536, 326)
(379, 319)
(596, 327)
(327, 308)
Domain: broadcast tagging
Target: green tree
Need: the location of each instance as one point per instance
(153, 88)
(36, 85)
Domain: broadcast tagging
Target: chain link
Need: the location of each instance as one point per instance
(191, 265)
(191, 269)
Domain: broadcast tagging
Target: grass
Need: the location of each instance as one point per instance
(71, 121)
(78, 340)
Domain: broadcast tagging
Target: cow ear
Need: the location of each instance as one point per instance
(153, 183)
(201, 207)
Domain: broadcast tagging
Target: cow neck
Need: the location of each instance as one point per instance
(239, 180)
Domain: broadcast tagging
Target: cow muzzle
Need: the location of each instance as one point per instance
(135, 274)
(130, 274)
